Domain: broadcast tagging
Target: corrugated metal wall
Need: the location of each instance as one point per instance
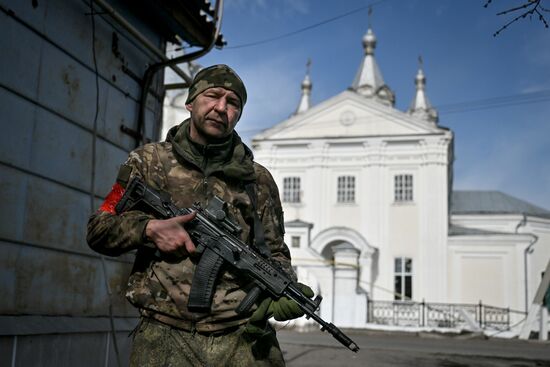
(54, 305)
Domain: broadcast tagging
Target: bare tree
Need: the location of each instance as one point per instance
(529, 9)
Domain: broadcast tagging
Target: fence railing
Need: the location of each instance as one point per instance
(450, 315)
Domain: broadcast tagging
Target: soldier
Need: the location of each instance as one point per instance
(200, 158)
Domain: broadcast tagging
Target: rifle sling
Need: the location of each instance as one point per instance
(259, 237)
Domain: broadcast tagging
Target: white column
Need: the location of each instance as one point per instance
(543, 329)
(345, 284)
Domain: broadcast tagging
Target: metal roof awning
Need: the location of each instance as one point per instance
(492, 202)
(192, 21)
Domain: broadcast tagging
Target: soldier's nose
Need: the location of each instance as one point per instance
(221, 105)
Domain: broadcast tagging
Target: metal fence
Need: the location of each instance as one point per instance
(449, 315)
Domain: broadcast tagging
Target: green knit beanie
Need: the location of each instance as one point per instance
(217, 76)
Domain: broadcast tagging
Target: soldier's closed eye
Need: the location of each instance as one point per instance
(234, 102)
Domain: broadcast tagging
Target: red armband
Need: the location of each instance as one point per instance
(112, 199)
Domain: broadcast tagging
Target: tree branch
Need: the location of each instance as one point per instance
(529, 8)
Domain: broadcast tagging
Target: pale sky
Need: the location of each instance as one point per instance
(500, 143)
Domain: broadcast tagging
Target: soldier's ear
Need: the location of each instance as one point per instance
(189, 107)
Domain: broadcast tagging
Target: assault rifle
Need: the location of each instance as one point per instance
(217, 241)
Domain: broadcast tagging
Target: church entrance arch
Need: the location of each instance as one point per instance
(324, 242)
(351, 263)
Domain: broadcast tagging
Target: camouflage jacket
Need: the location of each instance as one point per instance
(192, 173)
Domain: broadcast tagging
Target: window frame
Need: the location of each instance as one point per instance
(292, 187)
(346, 189)
(405, 277)
(295, 239)
(403, 188)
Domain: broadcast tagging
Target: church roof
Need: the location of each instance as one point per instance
(492, 202)
(455, 230)
(305, 102)
(298, 223)
(368, 81)
(421, 106)
(348, 115)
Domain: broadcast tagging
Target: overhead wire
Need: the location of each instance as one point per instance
(460, 107)
(495, 102)
(307, 28)
(92, 191)
(333, 263)
(467, 106)
(409, 301)
(475, 105)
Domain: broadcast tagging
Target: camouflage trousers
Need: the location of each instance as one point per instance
(159, 345)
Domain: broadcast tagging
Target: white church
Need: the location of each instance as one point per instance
(371, 215)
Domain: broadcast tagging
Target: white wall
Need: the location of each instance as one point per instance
(391, 229)
(487, 269)
(380, 143)
(506, 255)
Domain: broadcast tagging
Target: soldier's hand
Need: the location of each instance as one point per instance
(169, 235)
(283, 309)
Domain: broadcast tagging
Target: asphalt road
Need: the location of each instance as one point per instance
(383, 349)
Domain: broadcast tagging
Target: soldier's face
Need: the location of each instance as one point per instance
(214, 114)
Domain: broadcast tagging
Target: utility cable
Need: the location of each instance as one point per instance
(523, 319)
(92, 184)
(447, 109)
(400, 296)
(312, 26)
(495, 102)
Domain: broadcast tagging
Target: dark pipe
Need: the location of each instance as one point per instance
(152, 70)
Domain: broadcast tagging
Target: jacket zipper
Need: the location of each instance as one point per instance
(205, 178)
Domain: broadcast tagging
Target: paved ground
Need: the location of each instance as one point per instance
(383, 349)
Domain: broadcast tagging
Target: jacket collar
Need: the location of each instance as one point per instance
(231, 158)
